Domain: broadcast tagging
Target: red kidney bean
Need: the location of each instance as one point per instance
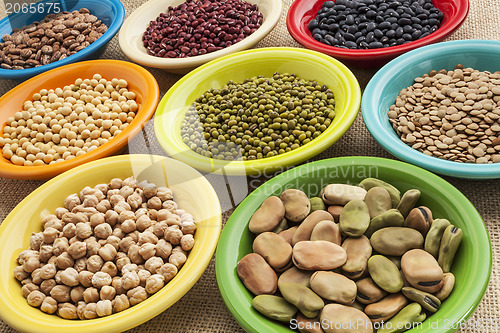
(198, 27)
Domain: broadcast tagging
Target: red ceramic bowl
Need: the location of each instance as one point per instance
(303, 11)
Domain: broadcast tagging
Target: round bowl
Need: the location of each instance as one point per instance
(140, 81)
(385, 85)
(135, 25)
(471, 267)
(301, 12)
(110, 12)
(305, 64)
(192, 192)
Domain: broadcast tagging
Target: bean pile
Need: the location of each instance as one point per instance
(371, 24)
(198, 27)
(54, 38)
(452, 115)
(313, 259)
(110, 247)
(259, 117)
(61, 124)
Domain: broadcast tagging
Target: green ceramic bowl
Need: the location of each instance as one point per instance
(472, 265)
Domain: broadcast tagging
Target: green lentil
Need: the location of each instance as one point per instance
(259, 117)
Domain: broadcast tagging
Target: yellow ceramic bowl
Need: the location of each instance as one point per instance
(306, 64)
(192, 192)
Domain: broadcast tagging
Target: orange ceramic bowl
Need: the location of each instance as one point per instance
(141, 82)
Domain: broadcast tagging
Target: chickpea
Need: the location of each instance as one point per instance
(169, 205)
(91, 295)
(147, 251)
(60, 245)
(83, 230)
(178, 259)
(137, 295)
(128, 226)
(48, 271)
(80, 310)
(60, 293)
(134, 235)
(118, 232)
(90, 200)
(67, 311)
(188, 228)
(134, 200)
(80, 264)
(120, 303)
(107, 293)
(96, 219)
(154, 203)
(125, 243)
(158, 229)
(130, 181)
(92, 246)
(153, 264)
(46, 252)
(168, 271)
(77, 250)
(103, 206)
(133, 254)
(20, 274)
(126, 191)
(164, 193)
(110, 268)
(69, 277)
(55, 223)
(85, 278)
(75, 216)
(104, 308)
(117, 284)
(111, 193)
(103, 231)
(28, 288)
(130, 279)
(76, 294)
(173, 220)
(60, 211)
(47, 285)
(36, 240)
(173, 234)
(48, 218)
(101, 279)
(111, 217)
(153, 214)
(115, 183)
(121, 207)
(107, 252)
(114, 241)
(31, 264)
(72, 201)
(103, 188)
(49, 305)
(49, 235)
(187, 242)
(130, 268)
(26, 254)
(69, 230)
(154, 283)
(64, 261)
(147, 237)
(149, 190)
(115, 199)
(90, 311)
(143, 276)
(162, 215)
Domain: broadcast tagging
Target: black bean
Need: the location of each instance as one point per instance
(408, 29)
(370, 37)
(375, 45)
(384, 25)
(350, 19)
(348, 36)
(416, 34)
(350, 44)
(333, 27)
(378, 33)
(371, 26)
(352, 29)
(313, 24)
(371, 14)
(399, 32)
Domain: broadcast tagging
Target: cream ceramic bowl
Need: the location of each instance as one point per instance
(130, 37)
(192, 192)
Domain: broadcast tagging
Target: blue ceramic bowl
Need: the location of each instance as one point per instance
(385, 85)
(110, 12)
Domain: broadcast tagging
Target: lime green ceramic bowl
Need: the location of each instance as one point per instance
(472, 265)
(192, 192)
(242, 65)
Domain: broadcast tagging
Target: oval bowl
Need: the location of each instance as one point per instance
(385, 85)
(186, 183)
(472, 265)
(135, 25)
(301, 12)
(305, 64)
(140, 81)
(110, 12)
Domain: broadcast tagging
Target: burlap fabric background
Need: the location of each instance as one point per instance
(202, 308)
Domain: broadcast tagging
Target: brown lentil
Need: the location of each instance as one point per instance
(64, 123)
(200, 27)
(460, 108)
(259, 117)
(98, 283)
(54, 38)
